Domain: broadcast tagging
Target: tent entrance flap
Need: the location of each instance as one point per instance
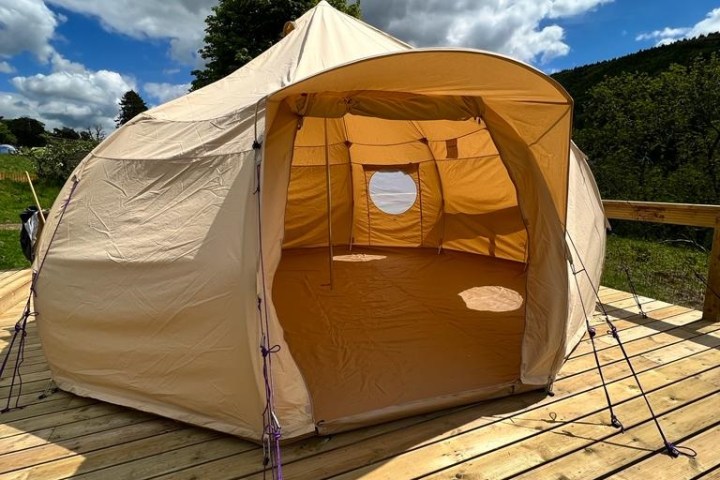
(401, 326)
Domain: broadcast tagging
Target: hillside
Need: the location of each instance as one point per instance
(579, 80)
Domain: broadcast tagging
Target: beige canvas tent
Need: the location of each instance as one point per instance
(346, 230)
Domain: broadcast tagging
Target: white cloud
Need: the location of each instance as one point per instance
(710, 24)
(570, 8)
(5, 67)
(26, 25)
(77, 98)
(519, 28)
(182, 22)
(164, 92)
(69, 94)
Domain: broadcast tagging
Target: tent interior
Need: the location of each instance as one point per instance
(403, 270)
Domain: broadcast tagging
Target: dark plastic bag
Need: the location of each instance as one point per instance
(30, 231)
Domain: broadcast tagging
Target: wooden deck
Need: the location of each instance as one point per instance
(529, 436)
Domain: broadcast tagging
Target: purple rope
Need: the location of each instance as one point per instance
(271, 428)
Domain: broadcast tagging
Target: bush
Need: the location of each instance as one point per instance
(55, 162)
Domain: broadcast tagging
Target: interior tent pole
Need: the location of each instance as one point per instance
(328, 196)
(348, 145)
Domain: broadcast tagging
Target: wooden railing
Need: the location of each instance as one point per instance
(679, 214)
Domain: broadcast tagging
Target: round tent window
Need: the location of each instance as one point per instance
(393, 192)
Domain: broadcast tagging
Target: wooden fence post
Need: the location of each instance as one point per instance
(711, 308)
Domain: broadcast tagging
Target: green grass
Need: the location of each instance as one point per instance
(10, 253)
(16, 197)
(664, 271)
(16, 164)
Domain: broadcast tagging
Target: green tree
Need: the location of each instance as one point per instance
(6, 136)
(239, 30)
(66, 133)
(56, 162)
(28, 131)
(131, 104)
(656, 137)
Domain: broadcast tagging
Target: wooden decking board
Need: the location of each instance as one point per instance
(528, 437)
(713, 474)
(705, 445)
(59, 418)
(632, 322)
(155, 437)
(172, 460)
(610, 454)
(674, 350)
(641, 346)
(227, 467)
(486, 432)
(63, 432)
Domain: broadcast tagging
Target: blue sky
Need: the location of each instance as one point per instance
(68, 61)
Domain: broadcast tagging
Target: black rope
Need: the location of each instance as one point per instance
(19, 333)
(634, 292)
(671, 449)
(614, 421)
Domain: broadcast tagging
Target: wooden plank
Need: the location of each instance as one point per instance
(108, 448)
(14, 293)
(616, 451)
(63, 417)
(660, 467)
(61, 433)
(711, 475)
(8, 277)
(174, 460)
(693, 215)
(661, 321)
(526, 440)
(642, 346)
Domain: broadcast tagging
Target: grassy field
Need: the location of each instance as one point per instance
(659, 270)
(14, 198)
(10, 254)
(16, 164)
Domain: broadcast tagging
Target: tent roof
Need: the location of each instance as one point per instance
(328, 46)
(323, 38)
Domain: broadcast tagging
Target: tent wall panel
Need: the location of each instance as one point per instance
(171, 225)
(306, 223)
(480, 208)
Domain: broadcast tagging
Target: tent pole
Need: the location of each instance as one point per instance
(328, 196)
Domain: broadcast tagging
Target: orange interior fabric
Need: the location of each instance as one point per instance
(465, 199)
(399, 325)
